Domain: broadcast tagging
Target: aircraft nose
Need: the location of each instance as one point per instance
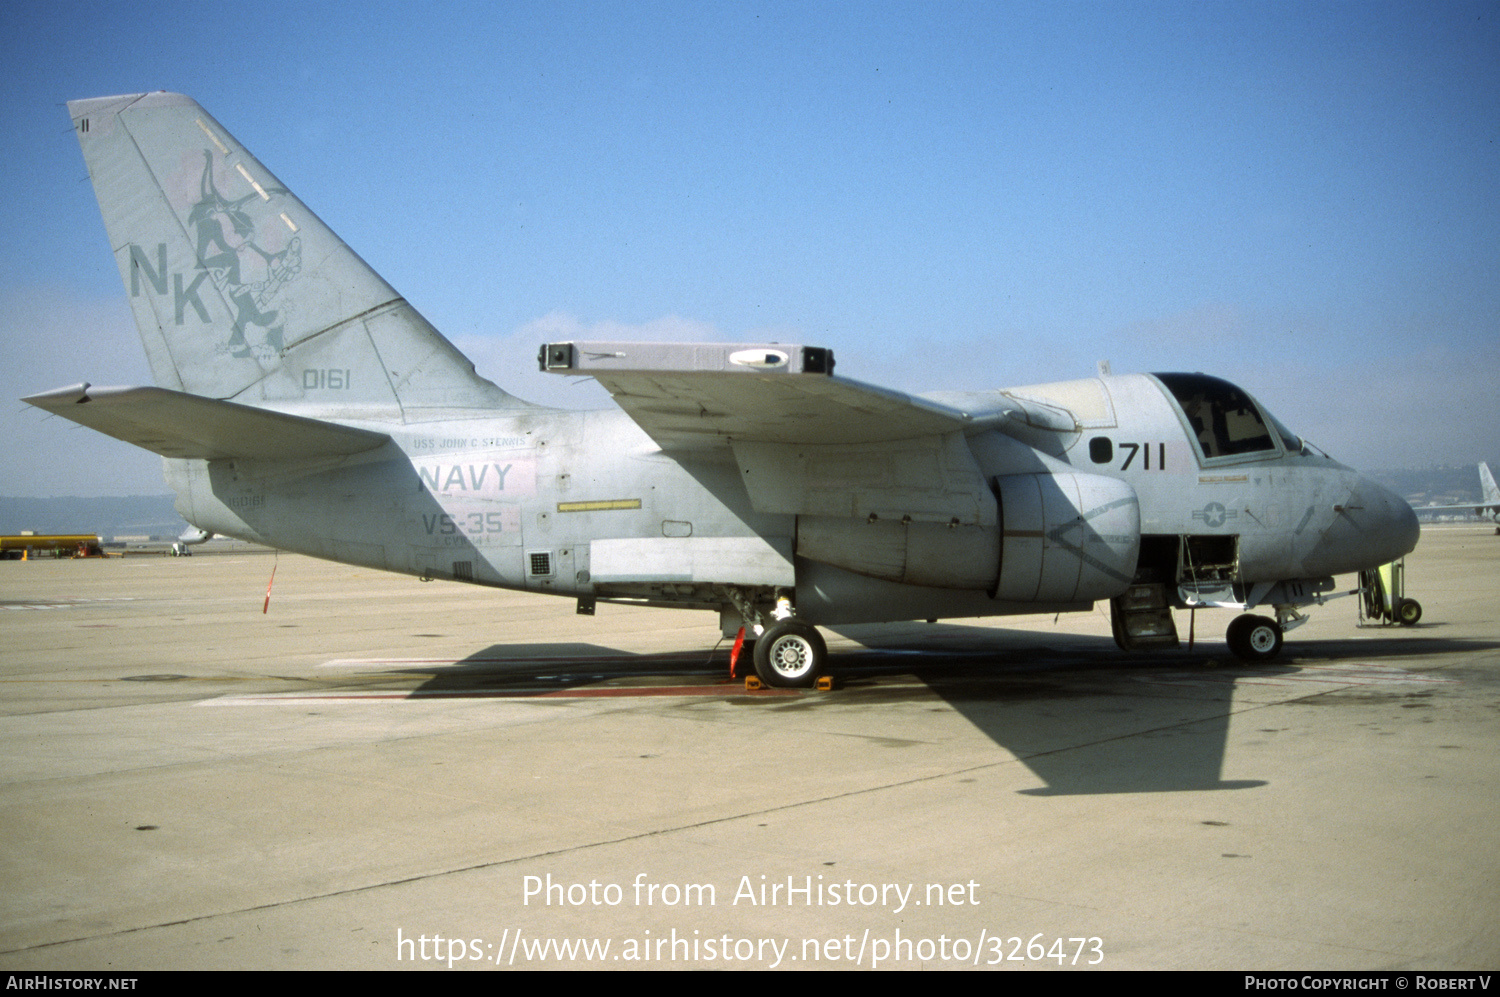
(1392, 529)
(1371, 526)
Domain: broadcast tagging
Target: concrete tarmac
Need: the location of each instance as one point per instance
(384, 774)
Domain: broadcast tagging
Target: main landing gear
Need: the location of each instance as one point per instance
(790, 654)
(787, 652)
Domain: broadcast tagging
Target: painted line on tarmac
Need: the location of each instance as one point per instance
(624, 657)
(613, 692)
(1372, 675)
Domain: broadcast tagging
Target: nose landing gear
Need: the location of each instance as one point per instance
(1254, 638)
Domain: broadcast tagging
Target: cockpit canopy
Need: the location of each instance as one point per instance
(1225, 420)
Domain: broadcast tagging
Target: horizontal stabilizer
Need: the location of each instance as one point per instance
(180, 425)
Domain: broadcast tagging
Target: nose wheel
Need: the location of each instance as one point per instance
(1254, 638)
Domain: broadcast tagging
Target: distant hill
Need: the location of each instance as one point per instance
(1435, 485)
(128, 516)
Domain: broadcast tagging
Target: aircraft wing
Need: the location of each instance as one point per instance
(1477, 508)
(698, 396)
(1489, 504)
(176, 424)
(806, 443)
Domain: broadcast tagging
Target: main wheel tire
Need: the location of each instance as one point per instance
(1254, 638)
(1235, 635)
(1408, 612)
(790, 654)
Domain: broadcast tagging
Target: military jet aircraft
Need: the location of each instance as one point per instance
(1488, 508)
(301, 402)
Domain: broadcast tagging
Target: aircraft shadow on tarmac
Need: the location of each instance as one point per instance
(1083, 717)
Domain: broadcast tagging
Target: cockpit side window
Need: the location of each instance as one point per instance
(1225, 420)
(1289, 439)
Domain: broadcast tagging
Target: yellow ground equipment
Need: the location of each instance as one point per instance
(1383, 594)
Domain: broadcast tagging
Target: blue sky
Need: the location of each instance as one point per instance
(1301, 197)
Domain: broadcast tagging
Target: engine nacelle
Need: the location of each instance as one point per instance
(934, 555)
(1066, 537)
(1063, 538)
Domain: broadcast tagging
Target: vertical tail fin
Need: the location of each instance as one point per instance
(1487, 484)
(240, 292)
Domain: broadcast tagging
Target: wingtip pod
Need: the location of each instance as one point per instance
(239, 291)
(695, 358)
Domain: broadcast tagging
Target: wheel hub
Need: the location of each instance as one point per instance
(791, 656)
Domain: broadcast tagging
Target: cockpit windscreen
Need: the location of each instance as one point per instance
(1226, 422)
